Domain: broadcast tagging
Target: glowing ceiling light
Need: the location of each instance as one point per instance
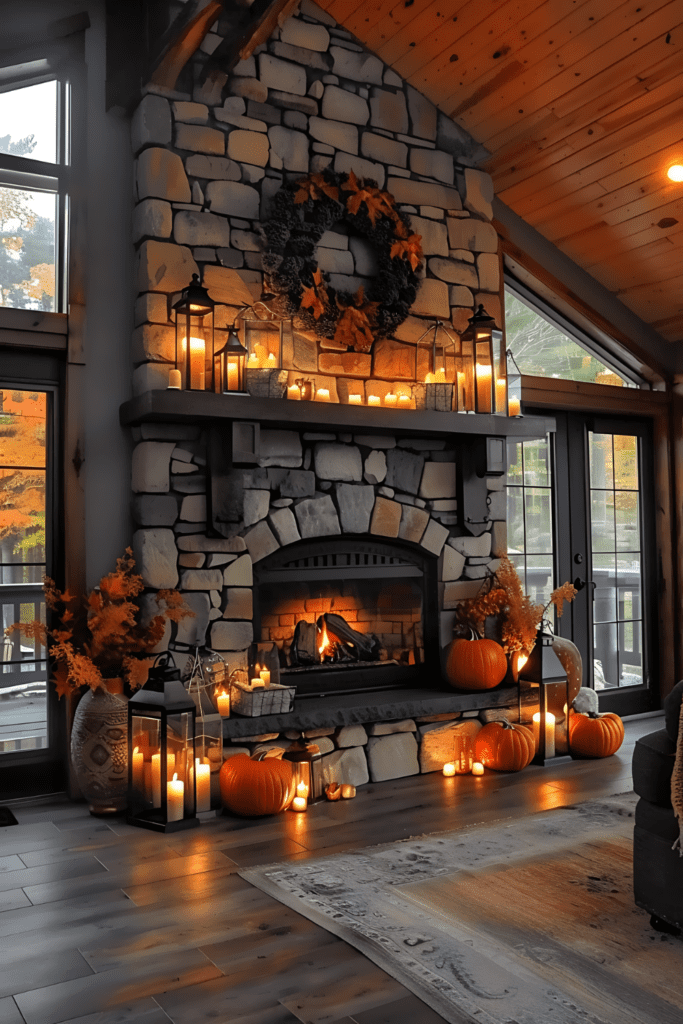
(676, 172)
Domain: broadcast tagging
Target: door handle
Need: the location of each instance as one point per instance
(580, 584)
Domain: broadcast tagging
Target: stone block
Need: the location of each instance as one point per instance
(438, 743)
(488, 269)
(298, 483)
(248, 147)
(338, 462)
(201, 579)
(151, 123)
(413, 523)
(198, 542)
(474, 235)
(155, 509)
(192, 631)
(432, 299)
(289, 101)
(375, 467)
(351, 736)
(151, 307)
(281, 75)
(434, 236)
(193, 508)
(497, 502)
(201, 229)
(385, 441)
(453, 564)
(460, 591)
(426, 193)
(499, 538)
(389, 111)
(152, 218)
(475, 572)
(460, 296)
(239, 573)
(337, 261)
(335, 134)
(307, 58)
(231, 636)
(164, 267)
(280, 448)
(386, 518)
(238, 602)
(438, 480)
(478, 193)
(190, 113)
(192, 560)
(434, 537)
(346, 766)
(392, 757)
(250, 88)
(386, 151)
(454, 272)
(246, 241)
(392, 360)
(290, 146)
(155, 558)
(260, 541)
(432, 163)
(214, 560)
(304, 34)
(342, 105)
(404, 470)
(422, 115)
(233, 198)
(256, 505)
(472, 547)
(213, 168)
(345, 364)
(359, 67)
(160, 174)
(226, 285)
(364, 256)
(317, 517)
(151, 467)
(355, 504)
(154, 342)
(389, 728)
(284, 524)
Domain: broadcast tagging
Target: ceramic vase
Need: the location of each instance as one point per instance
(99, 748)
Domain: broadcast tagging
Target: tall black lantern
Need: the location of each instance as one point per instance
(483, 366)
(230, 363)
(194, 338)
(544, 671)
(306, 761)
(161, 741)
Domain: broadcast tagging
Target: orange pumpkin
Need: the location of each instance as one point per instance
(475, 664)
(252, 787)
(504, 747)
(594, 735)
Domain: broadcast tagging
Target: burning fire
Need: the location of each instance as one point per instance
(325, 645)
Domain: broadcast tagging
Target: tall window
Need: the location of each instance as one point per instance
(529, 515)
(34, 157)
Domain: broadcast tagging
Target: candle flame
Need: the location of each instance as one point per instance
(175, 776)
(521, 661)
(324, 642)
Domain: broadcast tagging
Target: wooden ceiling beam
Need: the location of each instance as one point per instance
(243, 29)
(182, 40)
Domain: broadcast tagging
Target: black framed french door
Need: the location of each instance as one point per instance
(581, 508)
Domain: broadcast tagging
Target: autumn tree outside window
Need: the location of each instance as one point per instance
(34, 159)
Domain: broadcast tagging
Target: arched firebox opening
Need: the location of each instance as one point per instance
(350, 614)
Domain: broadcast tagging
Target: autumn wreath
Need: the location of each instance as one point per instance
(301, 212)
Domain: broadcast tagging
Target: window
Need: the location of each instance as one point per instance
(34, 157)
(529, 515)
(542, 348)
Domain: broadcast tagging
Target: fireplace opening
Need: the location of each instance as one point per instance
(348, 616)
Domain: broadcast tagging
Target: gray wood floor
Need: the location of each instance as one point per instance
(103, 923)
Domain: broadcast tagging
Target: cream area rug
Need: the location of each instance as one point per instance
(525, 921)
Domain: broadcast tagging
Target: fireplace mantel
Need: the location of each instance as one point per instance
(196, 407)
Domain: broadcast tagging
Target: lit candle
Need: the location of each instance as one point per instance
(265, 676)
(253, 363)
(461, 392)
(440, 375)
(203, 773)
(258, 684)
(430, 378)
(404, 401)
(391, 400)
(514, 407)
(299, 803)
(500, 394)
(302, 790)
(147, 780)
(355, 400)
(138, 770)
(175, 799)
(294, 393)
(223, 704)
(374, 400)
(484, 377)
(175, 379)
(449, 770)
(156, 780)
(477, 768)
(197, 360)
(271, 360)
(549, 732)
(233, 383)
(322, 395)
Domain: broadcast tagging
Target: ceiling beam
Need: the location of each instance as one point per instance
(182, 40)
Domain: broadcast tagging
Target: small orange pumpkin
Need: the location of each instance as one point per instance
(256, 786)
(475, 664)
(594, 735)
(504, 747)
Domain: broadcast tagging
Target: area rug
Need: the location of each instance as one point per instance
(525, 921)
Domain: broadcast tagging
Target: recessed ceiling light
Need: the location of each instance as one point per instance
(676, 172)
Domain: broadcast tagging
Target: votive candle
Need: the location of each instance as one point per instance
(404, 401)
(449, 769)
(294, 393)
(514, 407)
(549, 732)
(233, 375)
(223, 704)
(391, 401)
(175, 799)
(175, 379)
(477, 768)
(203, 782)
(299, 803)
(258, 684)
(374, 400)
(302, 790)
(322, 395)
(355, 399)
(265, 676)
(197, 357)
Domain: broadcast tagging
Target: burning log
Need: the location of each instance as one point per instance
(360, 646)
(331, 639)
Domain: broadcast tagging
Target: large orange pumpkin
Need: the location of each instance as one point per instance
(594, 735)
(504, 747)
(475, 664)
(252, 787)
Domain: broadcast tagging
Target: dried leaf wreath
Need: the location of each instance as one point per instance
(301, 213)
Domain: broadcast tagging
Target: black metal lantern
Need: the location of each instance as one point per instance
(306, 761)
(482, 367)
(543, 671)
(161, 741)
(230, 363)
(194, 338)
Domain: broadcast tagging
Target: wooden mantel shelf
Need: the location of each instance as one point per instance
(170, 406)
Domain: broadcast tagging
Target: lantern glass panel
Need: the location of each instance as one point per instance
(264, 662)
(196, 361)
(483, 371)
(465, 378)
(264, 344)
(514, 387)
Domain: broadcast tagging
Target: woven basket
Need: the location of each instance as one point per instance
(276, 700)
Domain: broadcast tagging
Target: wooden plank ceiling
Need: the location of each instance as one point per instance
(580, 103)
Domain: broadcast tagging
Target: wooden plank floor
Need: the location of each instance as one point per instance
(103, 923)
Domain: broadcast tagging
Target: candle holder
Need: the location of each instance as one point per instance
(482, 365)
(263, 660)
(514, 375)
(543, 672)
(161, 739)
(306, 761)
(195, 355)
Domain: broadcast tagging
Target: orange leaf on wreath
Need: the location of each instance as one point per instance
(310, 300)
(315, 187)
(354, 325)
(409, 248)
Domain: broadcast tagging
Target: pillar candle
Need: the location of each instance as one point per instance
(253, 362)
(265, 676)
(258, 684)
(355, 400)
(404, 401)
(203, 772)
(175, 796)
(373, 400)
(322, 395)
(271, 360)
(500, 394)
(391, 401)
(302, 790)
(514, 407)
(461, 393)
(138, 770)
(294, 393)
(477, 768)
(449, 769)
(197, 358)
(223, 704)
(175, 379)
(483, 372)
(299, 803)
(233, 382)
(549, 732)
(156, 780)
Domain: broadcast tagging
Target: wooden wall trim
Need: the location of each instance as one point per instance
(579, 396)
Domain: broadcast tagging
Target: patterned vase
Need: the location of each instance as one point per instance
(99, 748)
